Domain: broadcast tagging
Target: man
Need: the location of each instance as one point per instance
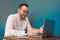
(19, 22)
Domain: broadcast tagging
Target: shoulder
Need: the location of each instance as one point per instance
(27, 18)
(12, 16)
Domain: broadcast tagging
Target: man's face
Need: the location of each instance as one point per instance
(23, 11)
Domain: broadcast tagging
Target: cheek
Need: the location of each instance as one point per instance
(22, 12)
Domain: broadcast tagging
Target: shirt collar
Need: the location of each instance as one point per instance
(19, 17)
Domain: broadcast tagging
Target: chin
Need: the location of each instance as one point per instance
(23, 17)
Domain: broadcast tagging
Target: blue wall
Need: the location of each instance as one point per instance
(38, 11)
(42, 9)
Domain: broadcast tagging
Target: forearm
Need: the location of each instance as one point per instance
(13, 32)
(41, 29)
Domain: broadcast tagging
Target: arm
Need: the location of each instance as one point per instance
(9, 30)
(41, 29)
(34, 31)
(31, 31)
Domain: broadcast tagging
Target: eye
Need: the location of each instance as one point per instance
(25, 11)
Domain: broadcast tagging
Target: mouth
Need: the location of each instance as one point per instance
(23, 16)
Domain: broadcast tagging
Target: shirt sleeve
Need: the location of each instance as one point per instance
(28, 24)
(9, 25)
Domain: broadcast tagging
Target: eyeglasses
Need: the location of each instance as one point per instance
(25, 11)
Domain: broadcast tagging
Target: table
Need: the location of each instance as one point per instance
(32, 38)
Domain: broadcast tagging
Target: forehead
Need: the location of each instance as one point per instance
(24, 7)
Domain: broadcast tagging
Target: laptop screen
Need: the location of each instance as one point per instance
(48, 28)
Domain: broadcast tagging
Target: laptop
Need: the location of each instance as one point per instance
(48, 29)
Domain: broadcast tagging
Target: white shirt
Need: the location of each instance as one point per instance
(14, 25)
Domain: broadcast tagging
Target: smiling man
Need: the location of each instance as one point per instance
(16, 23)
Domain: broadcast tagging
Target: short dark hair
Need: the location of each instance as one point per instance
(23, 4)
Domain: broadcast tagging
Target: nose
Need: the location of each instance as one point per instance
(25, 14)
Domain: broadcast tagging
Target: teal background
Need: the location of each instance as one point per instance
(38, 11)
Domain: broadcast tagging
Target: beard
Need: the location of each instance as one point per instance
(22, 16)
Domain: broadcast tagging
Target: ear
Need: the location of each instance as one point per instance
(19, 9)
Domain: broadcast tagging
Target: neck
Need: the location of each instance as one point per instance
(20, 17)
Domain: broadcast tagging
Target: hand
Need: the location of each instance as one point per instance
(41, 30)
(32, 32)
